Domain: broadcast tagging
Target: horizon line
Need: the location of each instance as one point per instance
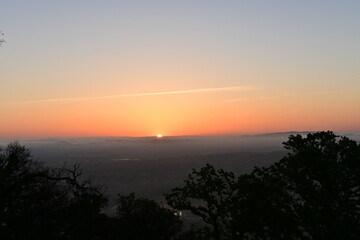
(185, 135)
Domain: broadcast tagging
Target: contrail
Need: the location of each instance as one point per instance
(292, 95)
(187, 91)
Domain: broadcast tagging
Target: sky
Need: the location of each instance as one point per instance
(140, 68)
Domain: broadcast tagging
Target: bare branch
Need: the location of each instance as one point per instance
(2, 40)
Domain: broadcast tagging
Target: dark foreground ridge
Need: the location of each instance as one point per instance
(311, 193)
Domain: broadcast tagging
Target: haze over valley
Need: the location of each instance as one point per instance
(150, 166)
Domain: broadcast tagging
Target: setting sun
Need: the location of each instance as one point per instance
(182, 114)
(219, 74)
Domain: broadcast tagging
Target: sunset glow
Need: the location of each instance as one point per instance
(180, 68)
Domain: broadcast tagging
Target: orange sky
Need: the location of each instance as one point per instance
(180, 114)
(74, 69)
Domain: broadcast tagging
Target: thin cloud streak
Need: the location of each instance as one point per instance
(187, 91)
(292, 95)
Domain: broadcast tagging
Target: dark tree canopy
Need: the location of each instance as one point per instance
(37, 202)
(321, 174)
(141, 218)
(312, 193)
(207, 193)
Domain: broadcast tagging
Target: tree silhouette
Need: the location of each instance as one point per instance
(37, 202)
(2, 40)
(141, 218)
(262, 207)
(207, 193)
(322, 171)
(312, 193)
